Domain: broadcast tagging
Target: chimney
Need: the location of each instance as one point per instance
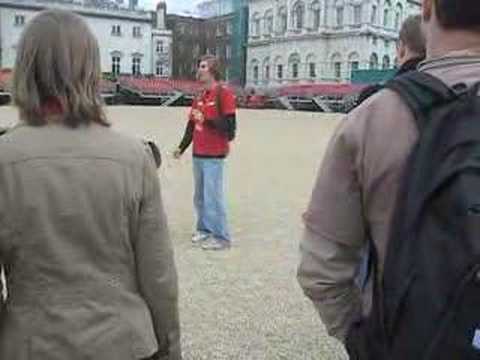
(132, 4)
(161, 15)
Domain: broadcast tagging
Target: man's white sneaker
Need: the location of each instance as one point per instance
(199, 237)
(216, 244)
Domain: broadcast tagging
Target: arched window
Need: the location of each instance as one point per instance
(337, 66)
(340, 15)
(386, 14)
(269, 22)
(256, 24)
(266, 70)
(298, 15)
(374, 62)
(374, 15)
(282, 20)
(386, 62)
(279, 70)
(312, 66)
(255, 71)
(357, 14)
(398, 16)
(316, 15)
(294, 66)
(353, 62)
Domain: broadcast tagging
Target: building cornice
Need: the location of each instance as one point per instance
(325, 34)
(116, 14)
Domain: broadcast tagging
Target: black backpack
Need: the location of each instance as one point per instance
(231, 129)
(427, 304)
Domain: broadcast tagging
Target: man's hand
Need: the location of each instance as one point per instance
(197, 116)
(177, 154)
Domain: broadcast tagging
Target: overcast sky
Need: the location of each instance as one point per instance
(173, 6)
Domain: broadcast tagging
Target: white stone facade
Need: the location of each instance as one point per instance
(301, 41)
(128, 39)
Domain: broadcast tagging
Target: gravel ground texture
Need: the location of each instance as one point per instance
(245, 303)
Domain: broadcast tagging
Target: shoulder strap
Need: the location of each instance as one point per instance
(421, 92)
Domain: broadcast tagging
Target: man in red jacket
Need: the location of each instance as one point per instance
(211, 126)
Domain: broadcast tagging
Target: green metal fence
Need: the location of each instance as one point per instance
(372, 76)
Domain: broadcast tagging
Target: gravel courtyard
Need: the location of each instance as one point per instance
(244, 303)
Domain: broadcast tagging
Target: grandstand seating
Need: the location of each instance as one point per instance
(310, 90)
(5, 80)
(156, 91)
(147, 86)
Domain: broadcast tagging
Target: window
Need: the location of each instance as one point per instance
(196, 50)
(116, 65)
(355, 65)
(298, 15)
(19, 20)
(374, 62)
(386, 62)
(267, 72)
(116, 30)
(374, 40)
(229, 28)
(136, 66)
(357, 14)
(340, 16)
(397, 21)
(280, 71)
(269, 22)
(256, 25)
(228, 51)
(255, 73)
(374, 15)
(160, 69)
(312, 70)
(295, 70)
(160, 48)
(282, 13)
(219, 30)
(398, 17)
(137, 31)
(317, 15)
(338, 70)
(386, 18)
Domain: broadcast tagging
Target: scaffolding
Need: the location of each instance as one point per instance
(236, 57)
(238, 61)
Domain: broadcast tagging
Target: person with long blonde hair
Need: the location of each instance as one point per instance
(84, 241)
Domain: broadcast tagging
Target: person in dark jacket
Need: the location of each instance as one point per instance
(410, 53)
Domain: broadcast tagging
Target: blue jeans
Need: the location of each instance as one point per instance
(209, 198)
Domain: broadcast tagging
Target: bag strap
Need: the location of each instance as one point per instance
(421, 92)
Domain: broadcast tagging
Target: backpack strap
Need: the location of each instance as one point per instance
(421, 92)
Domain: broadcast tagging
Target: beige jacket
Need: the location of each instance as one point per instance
(355, 193)
(85, 245)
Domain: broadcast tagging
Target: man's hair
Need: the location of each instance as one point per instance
(458, 14)
(58, 60)
(213, 66)
(412, 35)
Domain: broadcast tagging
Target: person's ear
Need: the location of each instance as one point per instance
(427, 9)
